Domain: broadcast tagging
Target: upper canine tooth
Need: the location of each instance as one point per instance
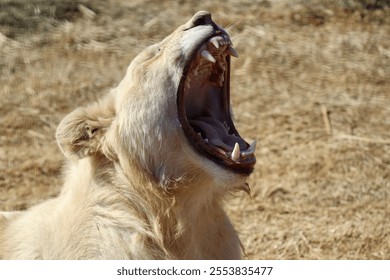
(221, 79)
(232, 51)
(222, 66)
(236, 152)
(215, 42)
(207, 55)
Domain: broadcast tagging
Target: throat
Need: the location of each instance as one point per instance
(197, 215)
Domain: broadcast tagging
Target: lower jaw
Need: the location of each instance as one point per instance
(225, 163)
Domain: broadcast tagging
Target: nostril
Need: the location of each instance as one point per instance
(202, 18)
(200, 21)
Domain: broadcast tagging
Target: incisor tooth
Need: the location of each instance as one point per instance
(227, 39)
(207, 55)
(236, 152)
(215, 43)
(232, 51)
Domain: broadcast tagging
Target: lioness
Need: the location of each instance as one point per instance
(149, 165)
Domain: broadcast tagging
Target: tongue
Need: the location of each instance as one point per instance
(216, 133)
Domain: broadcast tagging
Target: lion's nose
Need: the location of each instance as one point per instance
(200, 18)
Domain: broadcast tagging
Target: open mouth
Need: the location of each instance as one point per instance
(203, 102)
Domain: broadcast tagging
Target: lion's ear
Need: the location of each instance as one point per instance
(82, 132)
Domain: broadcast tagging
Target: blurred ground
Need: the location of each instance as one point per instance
(311, 84)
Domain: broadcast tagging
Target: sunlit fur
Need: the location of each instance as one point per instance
(134, 187)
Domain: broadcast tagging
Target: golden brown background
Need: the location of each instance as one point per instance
(312, 85)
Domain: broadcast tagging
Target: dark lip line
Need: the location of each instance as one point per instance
(244, 167)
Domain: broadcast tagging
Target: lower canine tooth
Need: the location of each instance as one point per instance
(236, 152)
(250, 150)
(252, 147)
(207, 55)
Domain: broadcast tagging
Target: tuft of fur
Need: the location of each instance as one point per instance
(134, 187)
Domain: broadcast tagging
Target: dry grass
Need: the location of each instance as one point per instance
(312, 85)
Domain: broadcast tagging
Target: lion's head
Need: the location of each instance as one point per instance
(171, 115)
